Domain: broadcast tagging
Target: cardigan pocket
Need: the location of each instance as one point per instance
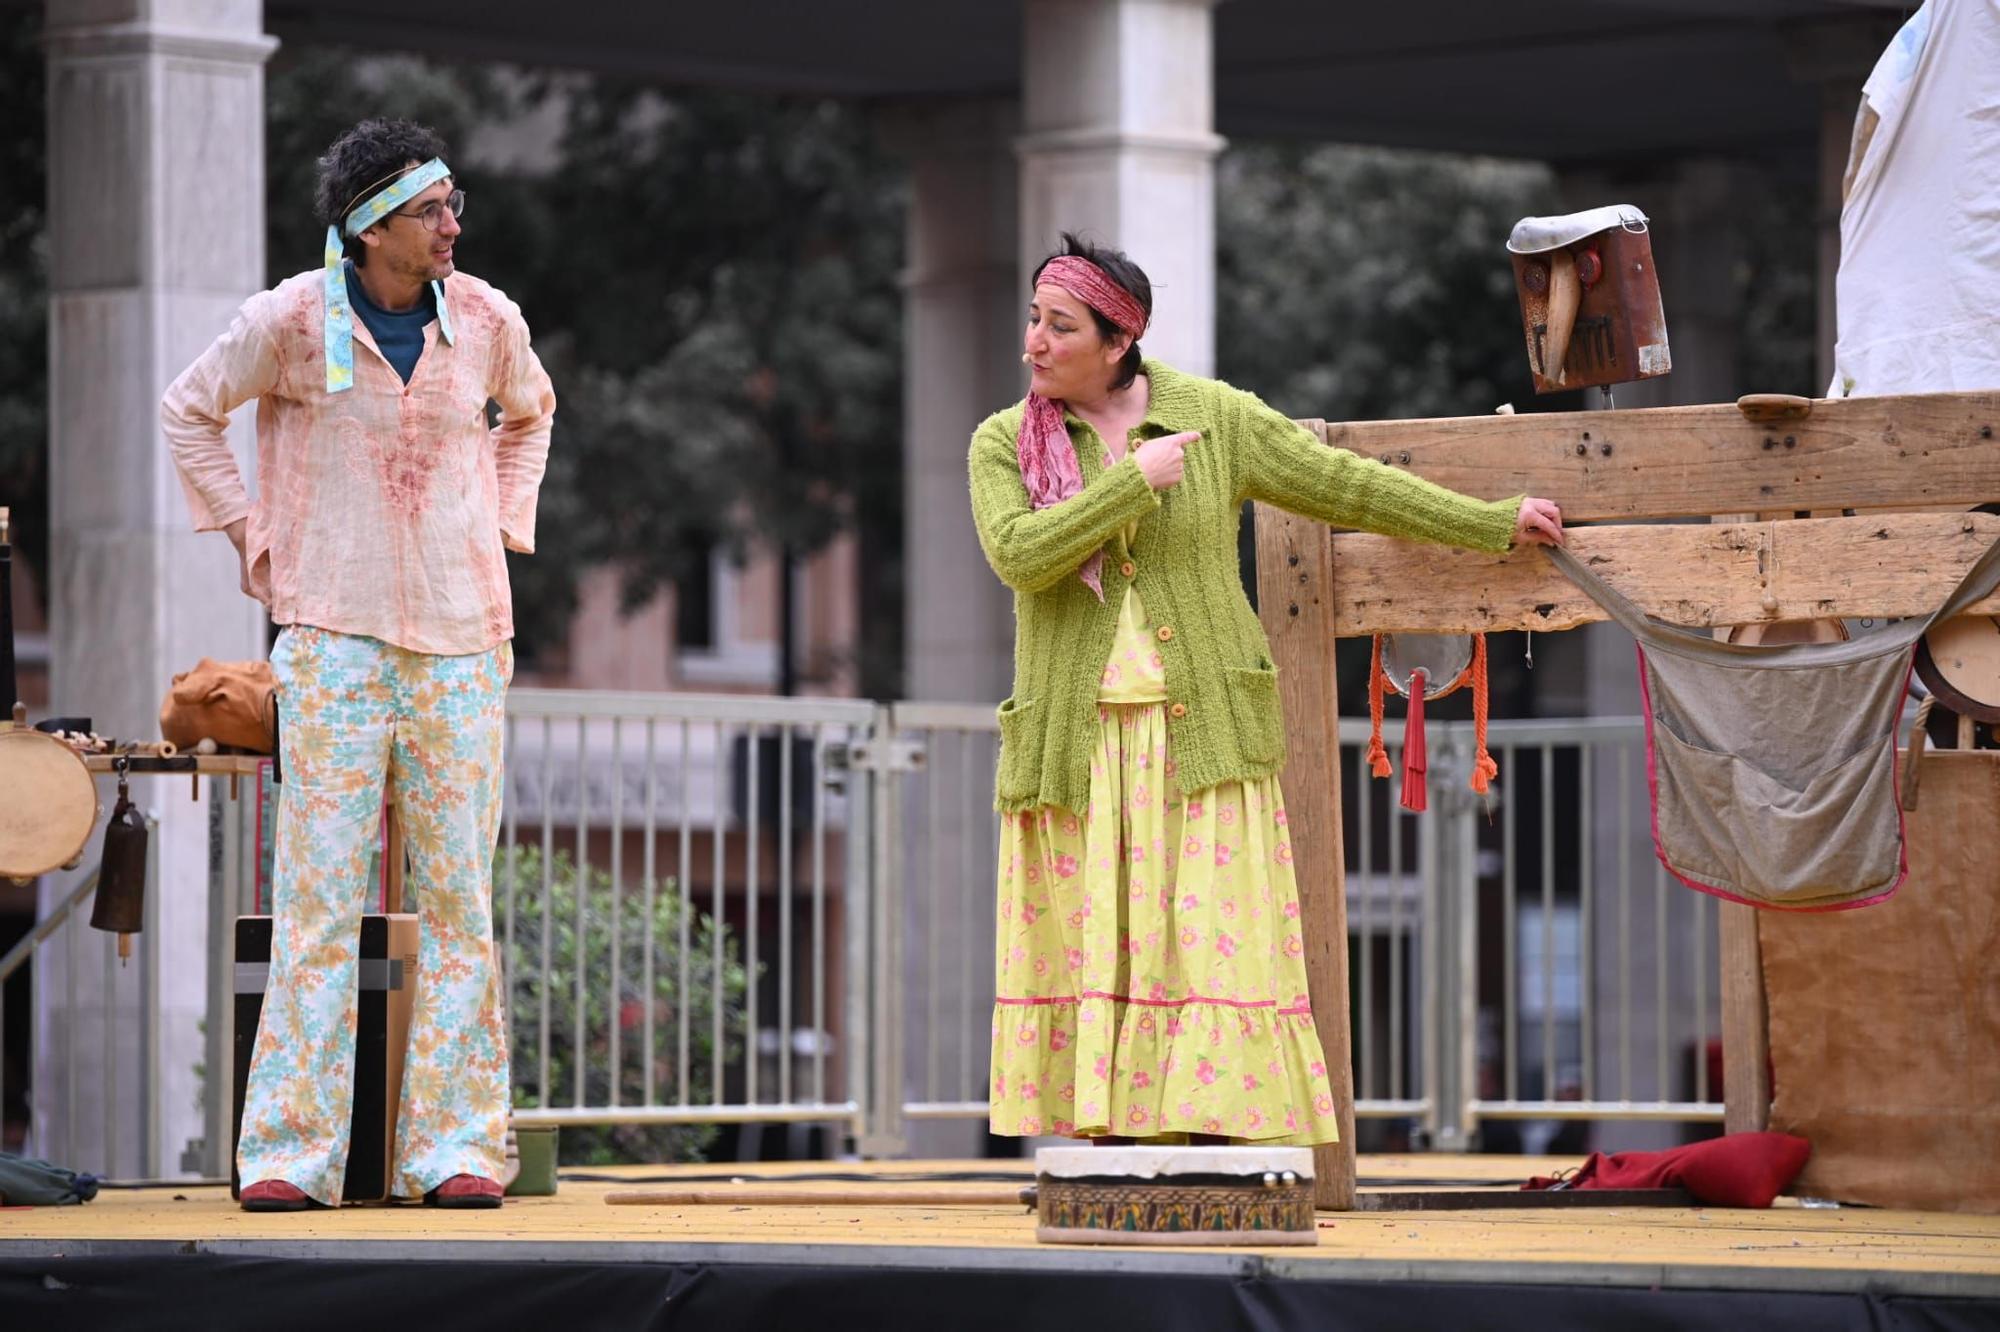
(1253, 702)
(1020, 773)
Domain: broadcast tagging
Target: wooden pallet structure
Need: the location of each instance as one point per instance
(1899, 471)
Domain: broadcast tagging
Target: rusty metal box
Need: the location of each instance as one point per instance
(1619, 332)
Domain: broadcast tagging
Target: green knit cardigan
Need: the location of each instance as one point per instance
(1223, 718)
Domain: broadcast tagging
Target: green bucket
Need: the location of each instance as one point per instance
(536, 1146)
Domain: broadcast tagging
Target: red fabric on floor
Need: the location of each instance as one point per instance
(1737, 1170)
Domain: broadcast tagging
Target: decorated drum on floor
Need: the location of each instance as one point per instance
(1174, 1195)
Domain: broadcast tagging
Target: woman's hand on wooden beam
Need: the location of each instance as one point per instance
(1540, 523)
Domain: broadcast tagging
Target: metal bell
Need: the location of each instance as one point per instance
(120, 907)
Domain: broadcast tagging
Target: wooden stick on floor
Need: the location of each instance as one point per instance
(784, 1195)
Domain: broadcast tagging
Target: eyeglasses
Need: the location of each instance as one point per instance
(432, 213)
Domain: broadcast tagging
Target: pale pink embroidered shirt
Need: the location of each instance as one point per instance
(382, 510)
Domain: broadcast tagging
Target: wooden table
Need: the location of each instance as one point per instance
(233, 766)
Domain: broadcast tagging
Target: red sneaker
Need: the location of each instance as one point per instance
(465, 1191)
(275, 1195)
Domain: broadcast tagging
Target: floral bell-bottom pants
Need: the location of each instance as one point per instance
(357, 712)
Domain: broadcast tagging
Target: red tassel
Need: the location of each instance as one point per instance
(1484, 769)
(1416, 793)
(1378, 755)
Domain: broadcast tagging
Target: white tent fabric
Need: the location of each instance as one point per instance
(1918, 292)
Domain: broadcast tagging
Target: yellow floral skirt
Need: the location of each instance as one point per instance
(1150, 964)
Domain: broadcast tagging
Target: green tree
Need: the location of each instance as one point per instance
(711, 278)
(1365, 284)
(1778, 276)
(546, 922)
(312, 94)
(720, 272)
(1371, 284)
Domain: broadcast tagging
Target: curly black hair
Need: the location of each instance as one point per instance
(363, 159)
(1120, 269)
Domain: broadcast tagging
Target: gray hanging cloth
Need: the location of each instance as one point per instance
(1773, 769)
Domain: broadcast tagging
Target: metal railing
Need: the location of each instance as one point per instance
(780, 911)
(62, 940)
(947, 842)
(1610, 1003)
(1515, 957)
(704, 856)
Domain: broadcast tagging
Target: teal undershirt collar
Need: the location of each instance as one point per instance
(338, 331)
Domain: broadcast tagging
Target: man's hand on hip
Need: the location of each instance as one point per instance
(234, 532)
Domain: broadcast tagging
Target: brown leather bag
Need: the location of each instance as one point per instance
(233, 703)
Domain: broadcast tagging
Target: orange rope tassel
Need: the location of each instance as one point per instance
(1378, 756)
(1484, 769)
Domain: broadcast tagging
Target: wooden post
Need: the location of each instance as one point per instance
(392, 857)
(1746, 1030)
(1746, 1036)
(1295, 601)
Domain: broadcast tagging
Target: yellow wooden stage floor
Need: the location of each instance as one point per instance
(1787, 1247)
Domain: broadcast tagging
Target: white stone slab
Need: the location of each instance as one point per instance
(1167, 1162)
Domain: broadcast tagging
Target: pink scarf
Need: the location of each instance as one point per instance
(1048, 462)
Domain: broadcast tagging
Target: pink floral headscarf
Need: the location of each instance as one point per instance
(1048, 463)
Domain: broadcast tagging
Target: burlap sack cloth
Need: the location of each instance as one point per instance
(230, 702)
(1885, 1021)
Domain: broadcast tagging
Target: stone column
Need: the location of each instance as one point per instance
(963, 305)
(156, 229)
(1118, 115)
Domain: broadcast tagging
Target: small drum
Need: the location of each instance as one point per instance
(1174, 1195)
(48, 803)
(1959, 662)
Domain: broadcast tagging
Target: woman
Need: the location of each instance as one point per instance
(1151, 977)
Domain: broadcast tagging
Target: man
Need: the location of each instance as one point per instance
(376, 542)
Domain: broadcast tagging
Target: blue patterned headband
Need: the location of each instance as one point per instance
(339, 330)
